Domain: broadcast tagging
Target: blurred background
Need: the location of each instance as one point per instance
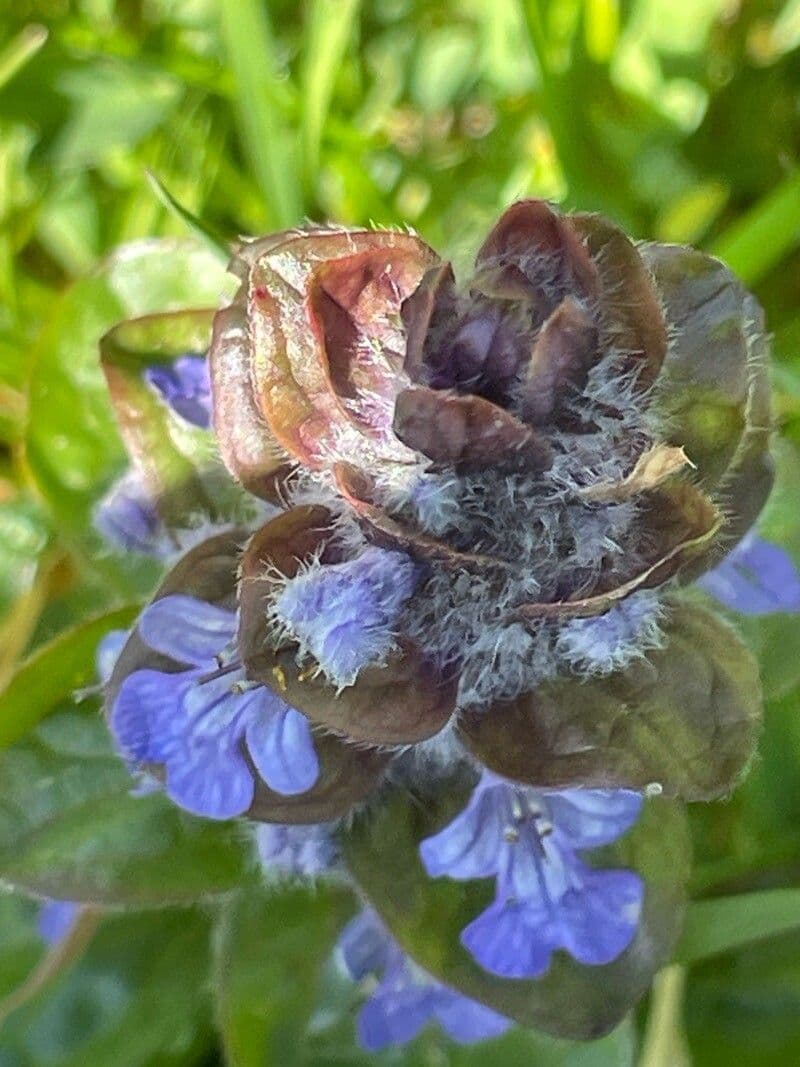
(680, 119)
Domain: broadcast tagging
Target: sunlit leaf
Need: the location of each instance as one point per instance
(54, 672)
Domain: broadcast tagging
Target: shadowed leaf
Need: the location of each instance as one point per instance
(685, 717)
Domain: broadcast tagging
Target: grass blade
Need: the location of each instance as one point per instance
(20, 50)
(761, 238)
(330, 24)
(265, 134)
(208, 233)
(719, 925)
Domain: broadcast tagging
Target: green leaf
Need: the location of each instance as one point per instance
(20, 944)
(54, 672)
(270, 951)
(217, 243)
(713, 391)
(58, 959)
(426, 915)
(664, 1040)
(70, 828)
(720, 925)
(24, 535)
(138, 996)
(72, 437)
(684, 718)
(114, 106)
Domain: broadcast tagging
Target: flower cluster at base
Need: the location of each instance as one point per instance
(486, 502)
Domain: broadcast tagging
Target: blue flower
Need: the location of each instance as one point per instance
(185, 385)
(202, 723)
(344, 614)
(300, 850)
(407, 998)
(756, 578)
(127, 519)
(55, 920)
(546, 897)
(609, 642)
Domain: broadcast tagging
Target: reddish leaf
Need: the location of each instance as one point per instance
(631, 318)
(468, 432)
(533, 227)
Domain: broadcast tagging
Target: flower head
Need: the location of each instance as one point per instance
(756, 578)
(486, 497)
(547, 898)
(184, 385)
(530, 440)
(203, 722)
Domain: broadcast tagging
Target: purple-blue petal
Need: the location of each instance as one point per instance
(195, 731)
(280, 744)
(466, 1021)
(187, 629)
(598, 920)
(365, 947)
(511, 939)
(146, 698)
(297, 850)
(185, 386)
(756, 578)
(406, 998)
(211, 781)
(55, 919)
(394, 1017)
(469, 846)
(589, 818)
(126, 517)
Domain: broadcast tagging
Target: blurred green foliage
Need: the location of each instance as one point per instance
(678, 118)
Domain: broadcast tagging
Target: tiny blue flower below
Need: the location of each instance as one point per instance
(55, 919)
(127, 519)
(185, 385)
(546, 897)
(199, 723)
(756, 578)
(406, 998)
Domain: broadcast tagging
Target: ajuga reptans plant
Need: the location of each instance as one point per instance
(430, 620)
